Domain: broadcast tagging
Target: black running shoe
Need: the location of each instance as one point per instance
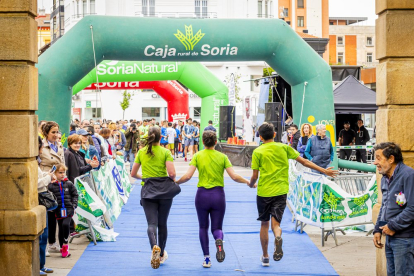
(278, 254)
(220, 255)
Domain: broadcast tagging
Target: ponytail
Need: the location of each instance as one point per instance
(150, 140)
(154, 136)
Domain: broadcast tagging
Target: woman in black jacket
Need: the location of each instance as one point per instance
(75, 159)
(67, 198)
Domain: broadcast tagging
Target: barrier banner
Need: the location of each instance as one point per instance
(101, 233)
(89, 204)
(317, 201)
(108, 192)
(124, 176)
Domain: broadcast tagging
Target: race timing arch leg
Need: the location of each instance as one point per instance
(55, 106)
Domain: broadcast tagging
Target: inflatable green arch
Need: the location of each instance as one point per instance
(193, 75)
(158, 39)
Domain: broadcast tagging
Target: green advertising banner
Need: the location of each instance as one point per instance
(317, 201)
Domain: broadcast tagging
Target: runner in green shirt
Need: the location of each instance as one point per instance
(156, 162)
(210, 200)
(272, 161)
(143, 129)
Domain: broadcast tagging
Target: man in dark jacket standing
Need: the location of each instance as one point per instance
(346, 138)
(396, 216)
(132, 138)
(362, 137)
(295, 136)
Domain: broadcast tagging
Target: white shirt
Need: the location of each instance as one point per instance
(171, 133)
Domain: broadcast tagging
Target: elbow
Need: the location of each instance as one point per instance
(172, 175)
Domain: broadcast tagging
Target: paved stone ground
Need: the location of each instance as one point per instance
(355, 254)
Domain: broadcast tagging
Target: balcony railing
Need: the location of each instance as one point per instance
(179, 15)
(265, 16)
(370, 64)
(82, 15)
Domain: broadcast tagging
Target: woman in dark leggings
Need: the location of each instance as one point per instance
(210, 200)
(156, 162)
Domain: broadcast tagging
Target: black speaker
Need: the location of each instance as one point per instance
(274, 114)
(227, 122)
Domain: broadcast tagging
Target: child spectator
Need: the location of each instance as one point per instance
(67, 198)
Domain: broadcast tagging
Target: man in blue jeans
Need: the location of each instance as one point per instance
(396, 216)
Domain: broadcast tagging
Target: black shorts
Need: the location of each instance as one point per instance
(271, 206)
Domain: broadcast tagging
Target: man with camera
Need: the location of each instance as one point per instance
(131, 148)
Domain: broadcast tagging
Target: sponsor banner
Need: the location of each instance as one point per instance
(317, 201)
(89, 204)
(108, 192)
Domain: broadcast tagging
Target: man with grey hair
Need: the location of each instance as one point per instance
(319, 149)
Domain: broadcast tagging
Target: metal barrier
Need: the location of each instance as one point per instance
(353, 183)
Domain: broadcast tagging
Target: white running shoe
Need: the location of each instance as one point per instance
(54, 247)
(47, 254)
(265, 261)
(164, 258)
(207, 262)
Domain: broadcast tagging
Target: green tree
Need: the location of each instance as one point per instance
(126, 100)
(237, 77)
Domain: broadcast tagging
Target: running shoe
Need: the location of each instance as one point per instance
(265, 261)
(47, 254)
(65, 251)
(207, 262)
(220, 255)
(278, 254)
(155, 257)
(53, 247)
(47, 270)
(164, 257)
(42, 273)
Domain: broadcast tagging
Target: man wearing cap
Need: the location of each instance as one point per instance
(346, 138)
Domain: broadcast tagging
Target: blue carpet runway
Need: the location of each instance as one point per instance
(130, 254)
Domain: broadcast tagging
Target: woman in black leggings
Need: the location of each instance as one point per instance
(157, 167)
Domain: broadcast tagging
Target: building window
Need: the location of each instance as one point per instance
(369, 41)
(340, 58)
(151, 111)
(84, 6)
(301, 4)
(340, 40)
(266, 9)
(92, 7)
(197, 112)
(259, 8)
(201, 8)
(301, 21)
(285, 12)
(148, 7)
(96, 112)
(369, 57)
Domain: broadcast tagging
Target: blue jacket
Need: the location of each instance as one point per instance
(399, 218)
(309, 148)
(164, 133)
(123, 140)
(301, 147)
(97, 144)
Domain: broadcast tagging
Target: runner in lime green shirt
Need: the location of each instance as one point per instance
(271, 159)
(210, 200)
(143, 129)
(155, 161)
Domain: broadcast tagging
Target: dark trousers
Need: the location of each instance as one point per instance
(361, 154)
(210, 205)
(64, 230)
(156, 212)
(345, 154)
(176, 143)
(52, 227)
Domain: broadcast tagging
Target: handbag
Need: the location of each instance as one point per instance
(48, 200)
(159, 188)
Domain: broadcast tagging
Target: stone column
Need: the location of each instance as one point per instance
(21, 219)
(395, 89)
